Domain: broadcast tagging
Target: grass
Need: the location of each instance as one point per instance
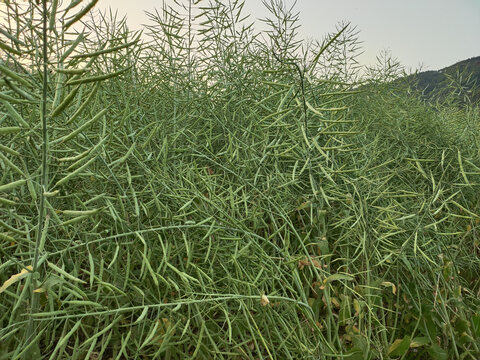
(206, 193)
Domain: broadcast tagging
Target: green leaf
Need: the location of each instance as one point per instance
(399, 347)
(476, 325)
(337, 277)
(428, 326)
(355, 354)
(419, 341)
(437, 353)
(345, 313)
(461, 325)
(49, 283)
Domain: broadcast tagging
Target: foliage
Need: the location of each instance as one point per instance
(457, 83)
(207, 193)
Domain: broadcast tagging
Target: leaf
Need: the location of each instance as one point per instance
(465, 338)
(419, 341)
(388, 283)
(357, 307)
(17, 277)
(476, 325)
(49, 283)
(164, 328)
(264, 300)
(337, 277)
(461, 325)
(302, 263)
(355, 354)
(335, 302)
(399, 347)
(304, 205)
(345, 313)
(437, 353)
(428, 326)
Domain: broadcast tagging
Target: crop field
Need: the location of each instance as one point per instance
(205, 190)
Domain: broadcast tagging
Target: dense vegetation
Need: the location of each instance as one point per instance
(458, 82)
(206, 191)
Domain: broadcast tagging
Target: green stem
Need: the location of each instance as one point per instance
(44, 175)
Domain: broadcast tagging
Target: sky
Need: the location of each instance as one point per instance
(426, 34)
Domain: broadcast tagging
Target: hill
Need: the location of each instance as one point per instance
(459, 80)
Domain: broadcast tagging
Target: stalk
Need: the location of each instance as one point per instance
(31, 333)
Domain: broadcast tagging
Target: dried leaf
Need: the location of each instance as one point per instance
(302, 263)
(356, 306)
(164, 326)
(17, 277)
(388, 283)
(335, 302)
(264, 300)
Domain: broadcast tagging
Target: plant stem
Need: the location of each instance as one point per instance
(44, 174)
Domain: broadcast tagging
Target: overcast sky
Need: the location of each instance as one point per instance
(428, 33)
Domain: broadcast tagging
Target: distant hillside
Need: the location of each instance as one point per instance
(455, 81)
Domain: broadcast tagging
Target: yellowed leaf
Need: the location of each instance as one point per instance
(164, 326)
(356, 306)
(302, 263)
(388, 283)
(335, 302)
(399, 347)
(419, 341)
(14, 278)
(304, 205)
(264, 300)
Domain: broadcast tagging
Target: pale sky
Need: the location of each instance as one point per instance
(428, 33)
